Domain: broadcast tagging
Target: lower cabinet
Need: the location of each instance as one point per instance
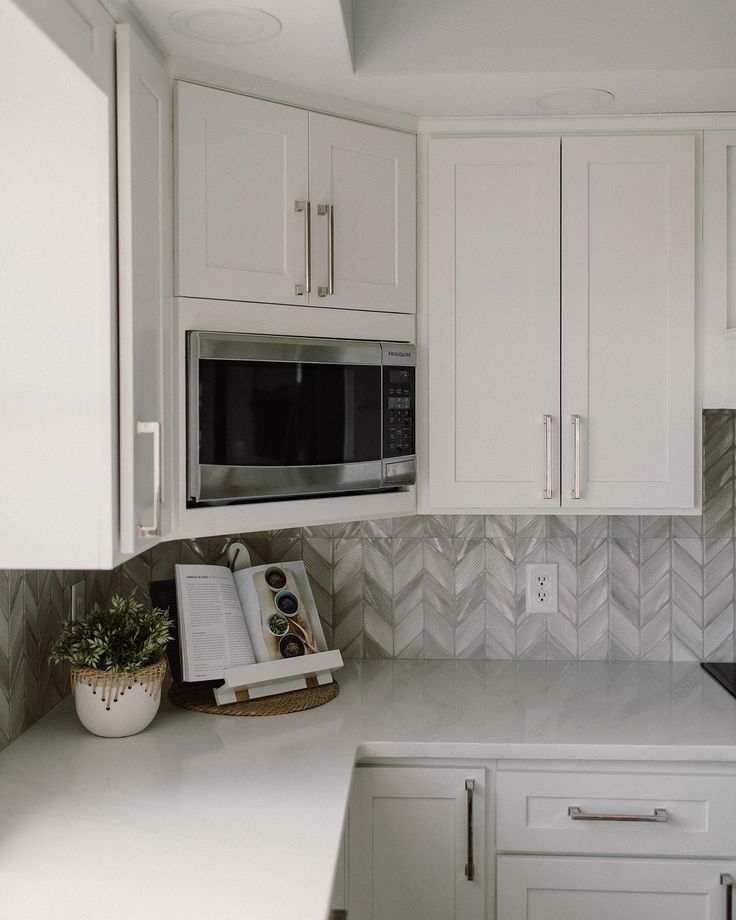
(567, 842)
(417, 844)
(587, 888)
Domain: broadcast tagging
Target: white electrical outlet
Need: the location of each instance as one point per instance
(541, 588)
(79, 591)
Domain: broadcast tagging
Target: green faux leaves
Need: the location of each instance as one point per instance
(123, 639)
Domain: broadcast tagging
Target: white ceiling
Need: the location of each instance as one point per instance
(483, 57)
(526, 36)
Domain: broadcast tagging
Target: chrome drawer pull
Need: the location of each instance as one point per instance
(660, 816)
(470, 865)
(728, 881)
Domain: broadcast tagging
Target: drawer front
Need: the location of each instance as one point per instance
(615, 814)
(612, 888)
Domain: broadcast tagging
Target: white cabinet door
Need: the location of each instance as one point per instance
(494, 322)
(719, 270)
(408, 844)
(366, 176)
(628, 321)
(242, 165)
(144, 240)
(58, 287)
(563, 888)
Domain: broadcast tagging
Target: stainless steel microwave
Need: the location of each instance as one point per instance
(275, 417)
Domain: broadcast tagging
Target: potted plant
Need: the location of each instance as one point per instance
(118, 665)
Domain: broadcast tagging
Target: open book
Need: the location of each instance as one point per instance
(226, 619)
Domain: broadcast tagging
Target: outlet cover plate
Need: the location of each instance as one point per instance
(542, 588)
(78, 600)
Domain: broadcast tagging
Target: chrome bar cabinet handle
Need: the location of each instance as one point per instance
(305, 207)
(328, 211)
(575, 419)
(547, 419)
(659, 816)
(470, 865)
(153, 428)
(728, 882)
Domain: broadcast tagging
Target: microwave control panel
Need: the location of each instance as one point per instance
(398, 411)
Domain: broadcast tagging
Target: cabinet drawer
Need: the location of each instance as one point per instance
(564, 887)
(697, 814)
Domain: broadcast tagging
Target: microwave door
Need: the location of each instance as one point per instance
(279, 429)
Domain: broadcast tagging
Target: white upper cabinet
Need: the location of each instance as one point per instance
(144, 269)
(58, 410)
(494, 322)
(87, 270)
(242, 165)
(603, 377)
(719, 270)
(362, 189)
(628, 322)
(279, 205)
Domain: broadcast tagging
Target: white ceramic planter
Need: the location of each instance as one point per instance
(115, 706)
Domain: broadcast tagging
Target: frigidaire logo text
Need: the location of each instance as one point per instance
(399, 354)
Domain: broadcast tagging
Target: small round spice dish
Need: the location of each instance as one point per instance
(291, 646)
(287, 602)
(278, 624)
(275, 578)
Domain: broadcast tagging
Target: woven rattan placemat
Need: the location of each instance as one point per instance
(279, 704)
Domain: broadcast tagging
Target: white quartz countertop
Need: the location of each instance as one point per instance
(206, 817)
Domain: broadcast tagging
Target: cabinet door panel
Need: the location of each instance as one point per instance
(628, 320)
(368, 175)
(144, 205)
(58, 287)
(242, 163)
(561, 888)
(494, 364)
(408, 845)
(719, 270)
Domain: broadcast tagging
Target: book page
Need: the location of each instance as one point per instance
(212, 630)
(257, 610)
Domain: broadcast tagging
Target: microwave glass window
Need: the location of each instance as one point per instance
(262, 413)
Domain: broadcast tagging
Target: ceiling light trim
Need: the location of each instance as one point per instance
(228, 24)
(570, 100)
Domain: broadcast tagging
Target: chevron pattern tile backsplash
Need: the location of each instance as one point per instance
(658, 588)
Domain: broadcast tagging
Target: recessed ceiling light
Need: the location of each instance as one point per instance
(573, 99)
(226, 25)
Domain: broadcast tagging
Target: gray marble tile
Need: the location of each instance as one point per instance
(438, 586)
